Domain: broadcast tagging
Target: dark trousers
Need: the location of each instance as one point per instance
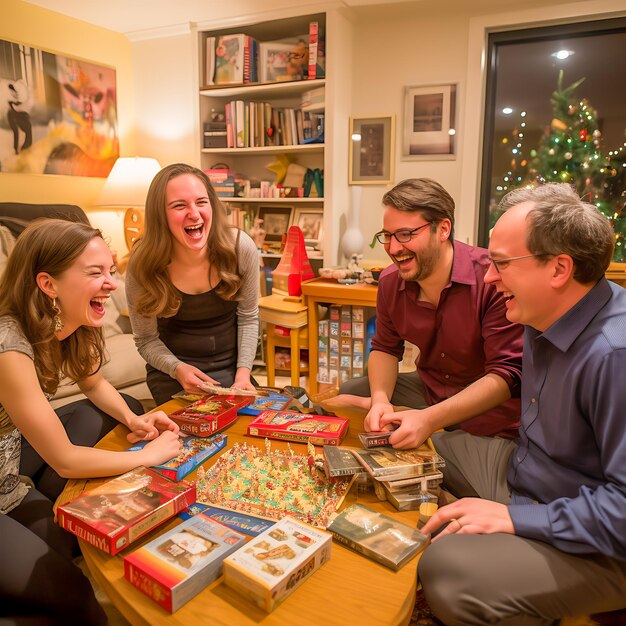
(39, 583)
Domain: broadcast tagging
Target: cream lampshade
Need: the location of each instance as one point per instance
(127, 186)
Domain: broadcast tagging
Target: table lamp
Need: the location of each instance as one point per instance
(127, 186)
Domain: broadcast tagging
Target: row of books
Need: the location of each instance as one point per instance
(343, 343)
(259, 124)
(238, 58)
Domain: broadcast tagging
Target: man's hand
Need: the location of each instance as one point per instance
(372, 422)
(189, 377)
(149, 425)
(413, 430)
(469, 516)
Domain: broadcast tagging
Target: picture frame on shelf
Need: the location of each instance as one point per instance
(283, 60)
(311, 223)
(429, 122)
(276, 221)
(371, 154)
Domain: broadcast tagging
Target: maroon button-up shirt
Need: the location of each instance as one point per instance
(464, 338)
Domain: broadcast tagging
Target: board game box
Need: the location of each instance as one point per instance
(193, 452)
(273, 402)
(177, 565)
(274, 564)
(390, 464)
(250, 525)
(125, 508)
(272, 484)
(429, 482)
(319, 430)
(340, 461)
(209, 415)
(377, 536)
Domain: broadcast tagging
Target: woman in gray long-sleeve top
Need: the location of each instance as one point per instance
(192, 288)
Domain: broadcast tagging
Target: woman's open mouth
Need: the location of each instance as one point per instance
(97, 304)
(195, 231)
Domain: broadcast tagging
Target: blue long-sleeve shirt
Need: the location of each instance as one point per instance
(568, 473)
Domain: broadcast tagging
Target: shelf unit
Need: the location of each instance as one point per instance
(251, 162)
(331, 156)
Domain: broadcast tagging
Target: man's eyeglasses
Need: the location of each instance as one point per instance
(502, 264)
(403, 235)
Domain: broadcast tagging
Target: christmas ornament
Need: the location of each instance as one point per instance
(597, 134)
(551, 152)
(583, 134)
(565, 176)
(558, 124)
(568, 155)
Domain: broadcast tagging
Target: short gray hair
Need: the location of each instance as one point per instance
(561, 223)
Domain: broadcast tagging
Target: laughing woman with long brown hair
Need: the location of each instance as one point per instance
(192, 288)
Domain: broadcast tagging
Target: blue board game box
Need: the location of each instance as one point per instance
(247, 524)
(194, 451)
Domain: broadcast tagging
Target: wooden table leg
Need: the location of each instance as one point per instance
(270, 357)
(295, 356)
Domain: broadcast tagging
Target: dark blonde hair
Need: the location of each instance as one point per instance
(152, 254)
(51, 246)
(561, 223)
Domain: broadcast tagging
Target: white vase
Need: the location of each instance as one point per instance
(352, 241)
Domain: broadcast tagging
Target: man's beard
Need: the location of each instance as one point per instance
(426, 261)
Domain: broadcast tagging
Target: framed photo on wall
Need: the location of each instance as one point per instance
(429, 124)
(372, 143)
(276, 221)
(311, 223)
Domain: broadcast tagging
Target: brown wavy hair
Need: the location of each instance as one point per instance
(152, 253)
(52, 246)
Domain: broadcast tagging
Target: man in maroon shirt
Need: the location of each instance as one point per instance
(434, 296)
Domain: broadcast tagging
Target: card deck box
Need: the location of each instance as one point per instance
(180, 563)
(271, 566)
(387, 463)
(429, 482)
(125, 508)
(339, 461)
(377, 536)
(320, 430)
(210, 414)
(409, 499)
(194, 451)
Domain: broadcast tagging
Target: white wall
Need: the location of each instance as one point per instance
(409, 43)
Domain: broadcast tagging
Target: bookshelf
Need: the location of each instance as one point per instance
(335, 84)
(249, 161)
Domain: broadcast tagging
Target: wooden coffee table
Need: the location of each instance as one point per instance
(348, 589)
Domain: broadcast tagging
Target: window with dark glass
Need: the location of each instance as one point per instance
(556, 111)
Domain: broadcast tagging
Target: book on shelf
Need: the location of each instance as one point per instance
(209, 415)
(387, 463)
(340, 461)
(269, 568)
(377, 536)
(316, 61)
(193, 452)
(209, 62)
(244, 523)
(321, 430)
(234, 59)
(176, 566)
(123, 509)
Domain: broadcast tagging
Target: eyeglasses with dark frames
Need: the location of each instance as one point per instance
(403, 235)
(502, 264)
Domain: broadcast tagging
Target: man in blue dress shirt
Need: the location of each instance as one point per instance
(540, 530)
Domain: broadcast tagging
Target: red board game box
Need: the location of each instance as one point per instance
(210, 414)
(320, 430)
(125, 508)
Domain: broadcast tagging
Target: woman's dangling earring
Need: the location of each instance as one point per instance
(58, 322)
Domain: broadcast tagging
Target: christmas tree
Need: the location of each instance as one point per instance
(570, 152)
